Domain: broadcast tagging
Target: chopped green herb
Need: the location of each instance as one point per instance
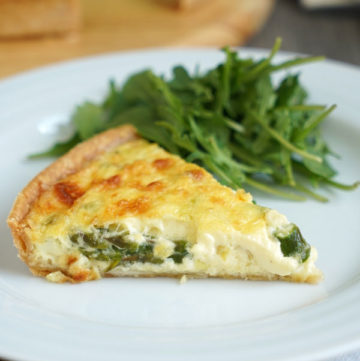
(233, 120)
(294, 245)
(180, 251)
(117, 249)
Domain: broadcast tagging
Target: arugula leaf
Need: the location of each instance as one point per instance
(290, 92)
(88, 120)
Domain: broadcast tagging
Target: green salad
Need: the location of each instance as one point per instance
(233, 120)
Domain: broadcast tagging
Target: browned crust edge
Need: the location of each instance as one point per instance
(70, 163)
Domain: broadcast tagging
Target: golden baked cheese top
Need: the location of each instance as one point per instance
(139, 179)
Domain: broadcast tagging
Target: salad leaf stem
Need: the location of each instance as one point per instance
(265, 188)
(284, 142)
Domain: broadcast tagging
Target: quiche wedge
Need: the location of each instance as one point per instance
(117, 205)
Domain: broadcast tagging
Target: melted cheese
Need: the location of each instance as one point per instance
(148, 191)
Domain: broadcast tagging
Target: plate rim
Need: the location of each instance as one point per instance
(23, 76)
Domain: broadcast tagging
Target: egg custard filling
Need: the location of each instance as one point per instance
(132, 248)
(136, 210)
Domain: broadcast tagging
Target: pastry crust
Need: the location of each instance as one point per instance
(313, 279)
(68, 164)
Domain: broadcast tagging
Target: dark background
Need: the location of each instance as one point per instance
(333, 33)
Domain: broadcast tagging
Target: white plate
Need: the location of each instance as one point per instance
(159, 319)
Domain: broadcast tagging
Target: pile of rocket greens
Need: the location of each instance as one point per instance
(233, 120)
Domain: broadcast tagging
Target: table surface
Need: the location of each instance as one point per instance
(112, 25)
(335, 34)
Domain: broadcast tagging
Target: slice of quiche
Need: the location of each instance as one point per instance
(117, 205)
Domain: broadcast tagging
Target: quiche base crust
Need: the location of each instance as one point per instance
(68, 164)
(313, 279)
(62, 277)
